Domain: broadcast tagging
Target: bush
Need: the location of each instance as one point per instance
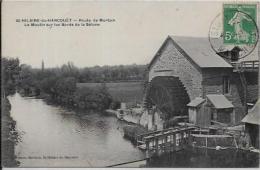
(96, 99)
(115, 105)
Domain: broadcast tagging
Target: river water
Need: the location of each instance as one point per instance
(52, 136)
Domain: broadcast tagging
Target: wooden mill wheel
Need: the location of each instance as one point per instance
(169, 95)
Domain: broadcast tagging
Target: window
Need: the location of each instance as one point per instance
(226, 84)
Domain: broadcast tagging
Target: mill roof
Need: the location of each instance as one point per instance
(198, 49)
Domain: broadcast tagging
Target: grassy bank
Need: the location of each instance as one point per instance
(120, 91)
(132, 131)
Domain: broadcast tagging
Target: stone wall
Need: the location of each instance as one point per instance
(172, 62)
(152, 120)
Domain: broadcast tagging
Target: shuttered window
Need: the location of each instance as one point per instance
(226, 84)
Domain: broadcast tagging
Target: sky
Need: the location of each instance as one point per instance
(137, 33)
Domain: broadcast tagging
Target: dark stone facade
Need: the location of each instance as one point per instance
(171, 62)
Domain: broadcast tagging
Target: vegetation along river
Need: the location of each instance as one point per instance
(51, 136)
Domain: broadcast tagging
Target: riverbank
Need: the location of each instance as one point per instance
(77, 98)
(9, 136)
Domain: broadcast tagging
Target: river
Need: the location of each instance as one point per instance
(52, 136)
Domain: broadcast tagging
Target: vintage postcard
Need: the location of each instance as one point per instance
(130, 84)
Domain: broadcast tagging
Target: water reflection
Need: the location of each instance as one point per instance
(53, 132)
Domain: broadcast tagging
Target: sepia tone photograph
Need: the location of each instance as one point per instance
(131, 84)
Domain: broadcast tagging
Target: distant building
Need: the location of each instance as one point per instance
(185, 68)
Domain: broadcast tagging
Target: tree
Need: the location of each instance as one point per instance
(65, 88)
(87, 98)
(69, 70)
(10, 72)
(26, 78)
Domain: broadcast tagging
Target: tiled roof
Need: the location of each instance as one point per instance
(219, 101)
(200, 51)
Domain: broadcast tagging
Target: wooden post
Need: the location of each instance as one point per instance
(165, 143)
(147, 145)
(154, 142)
(182, 140)
(184, 137)
(206, 142)
(147, 149)
(189, 137)
(156, 145)
(170, 143)
(175, 141)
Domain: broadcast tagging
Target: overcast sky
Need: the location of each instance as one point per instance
(135, 36)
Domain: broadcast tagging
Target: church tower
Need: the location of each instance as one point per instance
(42, 65)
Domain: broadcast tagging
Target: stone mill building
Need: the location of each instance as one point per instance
(187, 78)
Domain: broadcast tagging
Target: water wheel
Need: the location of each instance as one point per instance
(169, 95)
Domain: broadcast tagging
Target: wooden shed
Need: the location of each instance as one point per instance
(252, 123)
(196, 113)
(220, 109)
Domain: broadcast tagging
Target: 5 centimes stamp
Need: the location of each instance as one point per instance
(234, 31)
(239, 24)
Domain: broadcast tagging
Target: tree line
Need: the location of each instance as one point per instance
(9, 74)
(59, 85)
(112, 73)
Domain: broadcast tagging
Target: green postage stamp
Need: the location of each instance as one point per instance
(239, 23)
